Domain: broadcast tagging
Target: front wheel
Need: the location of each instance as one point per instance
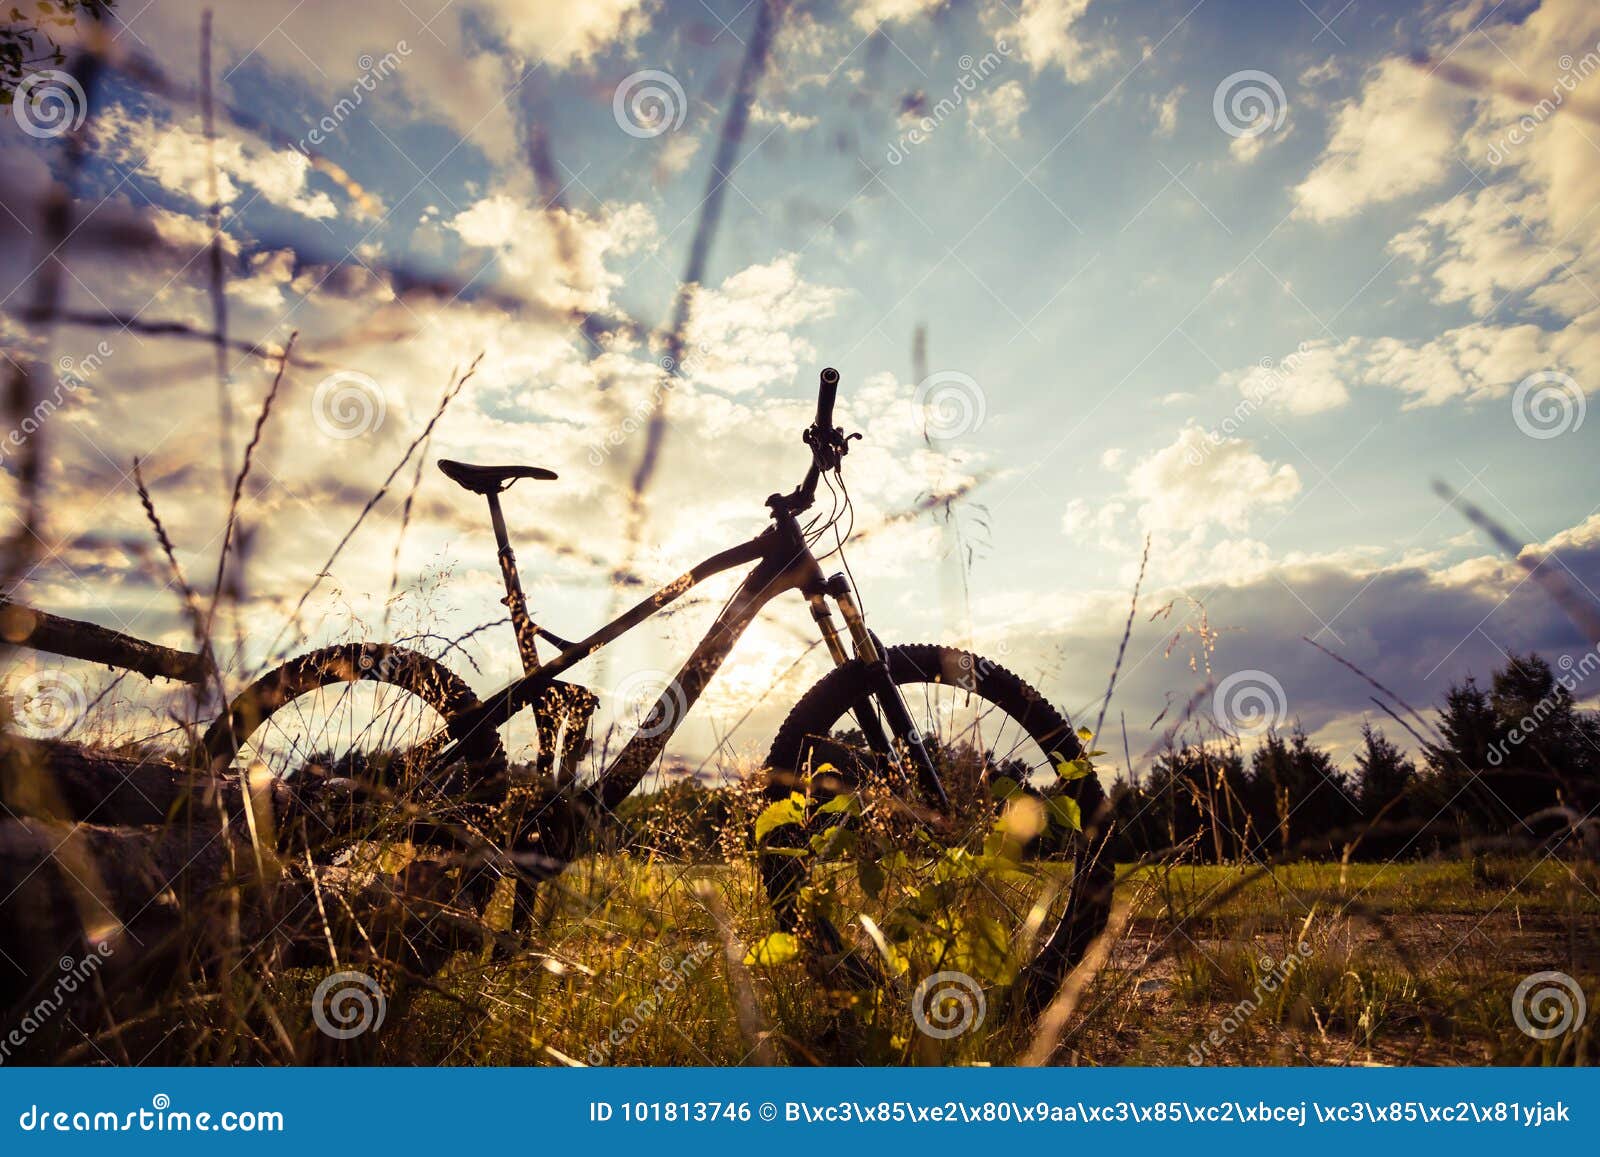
(1009, 884)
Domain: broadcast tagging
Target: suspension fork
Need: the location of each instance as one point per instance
(880, 683)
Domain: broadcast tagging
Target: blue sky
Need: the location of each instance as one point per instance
(1245, 278)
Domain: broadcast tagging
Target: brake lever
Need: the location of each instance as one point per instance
(828, 449)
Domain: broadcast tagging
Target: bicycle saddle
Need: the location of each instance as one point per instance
(490, 479)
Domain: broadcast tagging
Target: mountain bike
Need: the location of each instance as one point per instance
(905, 754)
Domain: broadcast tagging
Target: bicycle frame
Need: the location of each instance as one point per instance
(783, 562)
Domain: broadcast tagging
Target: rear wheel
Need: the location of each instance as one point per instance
(366, 715)
(1008, 884)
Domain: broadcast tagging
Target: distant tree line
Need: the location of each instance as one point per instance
(1510, 764)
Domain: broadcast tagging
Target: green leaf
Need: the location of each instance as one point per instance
(843, 802)
(1003, 788)
(777, 815)
(832, 842)
(1079, 768)
(955, 864)
(1064, 810)
(777, 948)
(1085, 734)
(1002, 849)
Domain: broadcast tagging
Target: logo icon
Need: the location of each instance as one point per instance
(347, 1004)
(947, 1004)
(1547, 1004)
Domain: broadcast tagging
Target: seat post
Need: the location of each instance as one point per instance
(515, 602)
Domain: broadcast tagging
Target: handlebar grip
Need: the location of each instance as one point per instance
(826, 393)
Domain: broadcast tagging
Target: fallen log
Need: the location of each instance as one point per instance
(101, 922)
(41, 631)
(63, 781)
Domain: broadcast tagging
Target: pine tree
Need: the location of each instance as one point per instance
(1383, 776)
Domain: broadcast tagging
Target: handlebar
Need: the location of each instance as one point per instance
(826, 392)
(828, 446)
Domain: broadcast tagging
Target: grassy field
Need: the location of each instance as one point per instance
(1304, 964)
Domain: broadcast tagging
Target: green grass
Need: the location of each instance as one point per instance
(1548, 886)
(1407, 963)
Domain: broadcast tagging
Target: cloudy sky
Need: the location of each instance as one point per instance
(1247, 280)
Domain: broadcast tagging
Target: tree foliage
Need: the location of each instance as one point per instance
(1502, 756)
(31, 40)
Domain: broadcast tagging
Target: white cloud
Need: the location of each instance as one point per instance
(1521, 241)
(1485, 245)
(456, 71)
(1315, 75)
(1395, 139)
(1536, 78)
(177, 156)
(1246, 148)
(998, 111)
(564, 35)
(871, 13)
(677, 152)
(557, 254)
(1473, 363)
(1098, 519)
(1311, 380)
(765, 114)
(1166, 110)
(1198, 482)
(1047, 36)
(741, 333)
